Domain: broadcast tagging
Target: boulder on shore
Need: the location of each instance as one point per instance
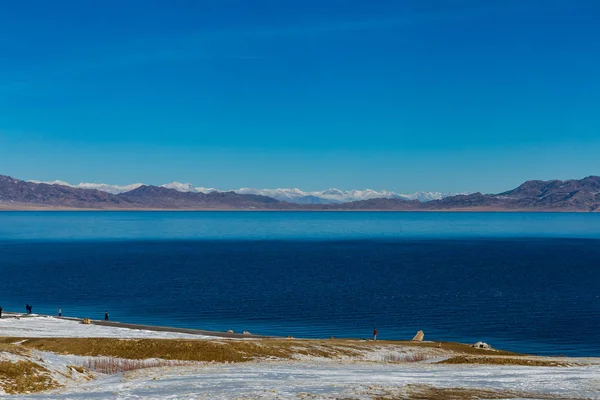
(481, 345)
(419, 337)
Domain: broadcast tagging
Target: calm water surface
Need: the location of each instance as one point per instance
(520, 281)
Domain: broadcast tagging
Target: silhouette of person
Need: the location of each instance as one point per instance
(106, 315)
(374, 333)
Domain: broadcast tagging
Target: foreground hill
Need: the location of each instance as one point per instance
(52, 358)
(572, 195)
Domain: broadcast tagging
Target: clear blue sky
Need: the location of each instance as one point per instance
(406, 95)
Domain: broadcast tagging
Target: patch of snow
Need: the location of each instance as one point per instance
(113, 189)
(60, 183)
(55, 327)
(180, 187)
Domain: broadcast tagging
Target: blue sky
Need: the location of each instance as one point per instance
(407, 95)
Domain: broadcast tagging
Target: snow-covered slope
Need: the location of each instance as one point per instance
(322, 380)
(291, 195)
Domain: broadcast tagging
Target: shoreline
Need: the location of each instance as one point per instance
(60, 358)
(203, 334)
(140, 327)
(453, 210)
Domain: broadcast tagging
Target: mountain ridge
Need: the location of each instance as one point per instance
(572, 195)
(290, 195)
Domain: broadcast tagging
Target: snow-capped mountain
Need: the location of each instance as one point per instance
(188, 187)
(429, 196)
(333, 195)
(292, 195)
(112, 189)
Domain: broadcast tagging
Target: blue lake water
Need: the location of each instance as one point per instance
(521, 281)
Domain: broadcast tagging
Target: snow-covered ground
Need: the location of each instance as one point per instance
(363, 376)
(288, 380)
(38, 326)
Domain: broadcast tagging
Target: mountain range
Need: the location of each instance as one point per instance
(294, 195)
(555, 195)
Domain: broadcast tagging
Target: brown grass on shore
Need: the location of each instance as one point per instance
(227, 350)
(458, 348)
(8, 347)
(504, 361)
(190, 350)
(24, 377)
(425, 392)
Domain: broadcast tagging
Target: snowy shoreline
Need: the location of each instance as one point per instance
(38, 325)
(44, 326)
(366, 374)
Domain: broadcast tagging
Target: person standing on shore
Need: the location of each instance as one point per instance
(374, 333)
(0, 312)
(106, 315)
(59, 312)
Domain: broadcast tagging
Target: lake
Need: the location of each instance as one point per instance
(525, 282)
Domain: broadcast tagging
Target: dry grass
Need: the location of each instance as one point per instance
(425, 392)
(24, 377)
(190, 350)
(455, 347)
(504, 361)
(8, 347)
(77, 368)
(235, 350)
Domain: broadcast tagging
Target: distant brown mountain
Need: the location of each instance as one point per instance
(160, 197)
(555, 195)
(26, 194)
(572, 195)
(576, 195)
(18, 194)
